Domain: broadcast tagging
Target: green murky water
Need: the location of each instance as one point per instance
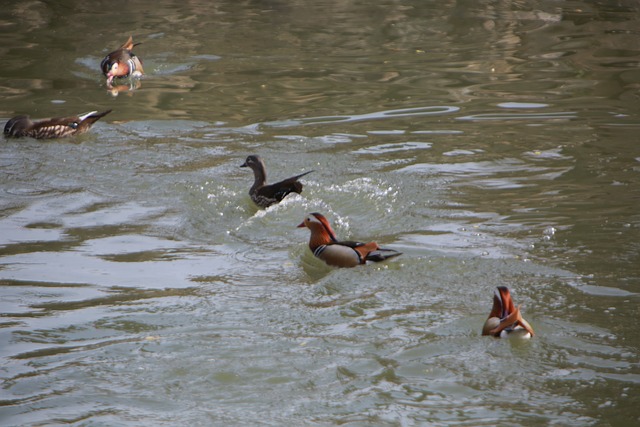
(493, 143)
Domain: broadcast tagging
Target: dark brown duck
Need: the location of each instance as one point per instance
(265, 195)
(57, 127)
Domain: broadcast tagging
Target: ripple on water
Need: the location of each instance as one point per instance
(377, 115)
(509, 173)
(394, 147)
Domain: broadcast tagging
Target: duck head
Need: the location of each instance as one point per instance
(321, 231)
(253, 161)
(259, 170)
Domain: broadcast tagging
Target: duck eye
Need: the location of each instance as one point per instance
(73, 125)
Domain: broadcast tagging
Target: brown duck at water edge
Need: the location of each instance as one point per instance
(122, 62)
(265, 195)
(58, 127)
(325, 245)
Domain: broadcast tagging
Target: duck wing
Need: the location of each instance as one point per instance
(382, 254)
(281, 189)
(370, 251)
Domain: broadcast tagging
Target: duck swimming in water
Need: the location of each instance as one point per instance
(505, 319)
(325, 245)
(122, 62)
(265, 195)
(57, 127)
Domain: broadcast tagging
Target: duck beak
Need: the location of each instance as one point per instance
(301, 225)
(244, 165)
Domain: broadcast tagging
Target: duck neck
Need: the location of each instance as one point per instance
(260, 178)
(318, 238)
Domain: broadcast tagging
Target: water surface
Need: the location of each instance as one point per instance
(492, 143)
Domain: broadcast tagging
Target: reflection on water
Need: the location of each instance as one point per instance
(492, 144)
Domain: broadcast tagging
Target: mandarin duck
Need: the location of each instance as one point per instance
(122, 62)
(325, 245)
(265, 195)
(505, 319)
(57, 127)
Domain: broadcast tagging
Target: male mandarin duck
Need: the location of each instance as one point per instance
(265, 195)
(325, 245)
(57, 127)
(505, 319)
(122, 62)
